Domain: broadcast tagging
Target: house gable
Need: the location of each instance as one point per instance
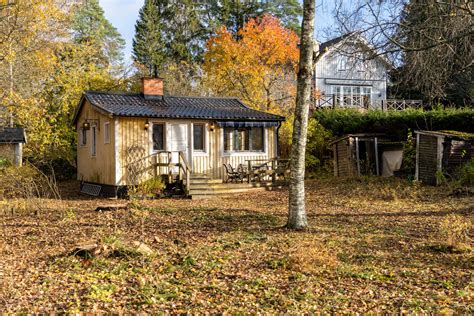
(345, 67)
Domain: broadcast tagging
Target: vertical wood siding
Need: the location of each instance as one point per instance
(133, 134)
(101, 168)
(427, 159)
(135, 145)
(343, 156)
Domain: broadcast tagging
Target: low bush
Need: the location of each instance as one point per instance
(455, 230)
(467, 173)
(317, 147)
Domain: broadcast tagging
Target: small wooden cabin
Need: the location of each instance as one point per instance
(127, 138)
(11, 144)
(441, 151)
(366, 154)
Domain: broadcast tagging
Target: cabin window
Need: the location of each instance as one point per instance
(198, 137)
(158, 136)
(94, 141)
(106, 132)
(243, 139)
(83, 137)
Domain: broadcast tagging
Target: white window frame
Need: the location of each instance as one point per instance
(93, 140)
(246, 153)
(342, 63)
(340, 96)
(205, 151)
(107, 132)
(82, 139)
(150, 136)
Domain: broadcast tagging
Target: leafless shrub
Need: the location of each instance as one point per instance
(24, 186)
(455, 229)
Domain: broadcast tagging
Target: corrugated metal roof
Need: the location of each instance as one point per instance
(120, 104)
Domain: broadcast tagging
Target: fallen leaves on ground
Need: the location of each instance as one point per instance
(373, 245)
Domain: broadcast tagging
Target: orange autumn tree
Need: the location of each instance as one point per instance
(257, 65)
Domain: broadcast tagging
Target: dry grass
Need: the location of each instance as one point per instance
(373, 245)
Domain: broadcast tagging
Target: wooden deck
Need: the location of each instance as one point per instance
(203, 186)
(260, 174)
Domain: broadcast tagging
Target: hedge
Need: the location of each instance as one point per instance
(395, 123)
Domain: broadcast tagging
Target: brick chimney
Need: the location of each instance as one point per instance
(152, 88)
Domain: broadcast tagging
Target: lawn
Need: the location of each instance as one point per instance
(372, 245)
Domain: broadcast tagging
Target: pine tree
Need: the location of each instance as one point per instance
(148, 44)
(90, 27)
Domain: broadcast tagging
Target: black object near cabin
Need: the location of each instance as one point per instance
(441, 154)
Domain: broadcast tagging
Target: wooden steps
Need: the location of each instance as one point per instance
(203, 186)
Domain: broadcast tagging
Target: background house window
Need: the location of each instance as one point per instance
(342, 63)
(94, 141)
(83, 137)
(352, 96)
(106, 132)
(158, 137)
(243, 139)
(198, 137)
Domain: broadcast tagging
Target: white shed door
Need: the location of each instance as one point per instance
(178, 141)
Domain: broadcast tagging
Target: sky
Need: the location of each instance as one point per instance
(124, 13)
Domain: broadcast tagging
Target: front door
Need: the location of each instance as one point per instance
(178, 141)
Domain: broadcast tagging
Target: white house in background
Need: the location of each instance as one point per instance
(347, 76)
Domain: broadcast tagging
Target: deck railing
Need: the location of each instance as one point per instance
(157, 164)
(261, 168)
(363, 102)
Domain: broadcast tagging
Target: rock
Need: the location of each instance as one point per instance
(85, 250)
(142, 248)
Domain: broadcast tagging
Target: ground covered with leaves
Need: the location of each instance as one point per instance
(372, 245)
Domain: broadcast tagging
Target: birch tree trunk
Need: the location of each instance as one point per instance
(296, 211)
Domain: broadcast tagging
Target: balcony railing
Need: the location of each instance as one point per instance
(364, 102)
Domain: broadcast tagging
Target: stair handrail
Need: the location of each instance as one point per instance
(186, 169)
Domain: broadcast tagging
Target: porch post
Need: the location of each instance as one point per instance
(249, 170)
(376, 145)
(357, 156)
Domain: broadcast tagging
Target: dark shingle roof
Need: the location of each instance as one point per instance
(12, 135)
(121, 104)
(332, 42)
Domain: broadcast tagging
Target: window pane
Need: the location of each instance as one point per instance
(257, 138)
(106, 133)
(241, 139)
(158, 137)
(84, 136)
(94, 141)
(227, 137)
(198, 133)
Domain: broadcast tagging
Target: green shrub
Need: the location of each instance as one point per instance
(467, 173)
(4, 163)
(149, 188)
(317, 146)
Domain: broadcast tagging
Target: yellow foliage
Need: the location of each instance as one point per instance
(258, 65)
